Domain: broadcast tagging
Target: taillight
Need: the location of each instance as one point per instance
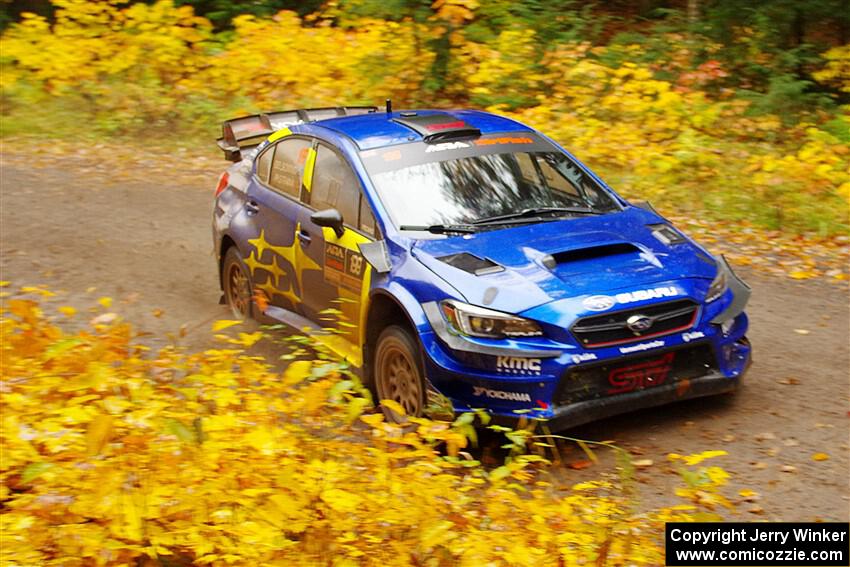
(222, 183)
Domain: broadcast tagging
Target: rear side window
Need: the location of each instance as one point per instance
(264, 164)
(287, 170)
(335, 186)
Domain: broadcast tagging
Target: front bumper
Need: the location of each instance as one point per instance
(524, 379)
(579, 413)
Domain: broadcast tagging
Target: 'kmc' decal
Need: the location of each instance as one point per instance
(518, 365)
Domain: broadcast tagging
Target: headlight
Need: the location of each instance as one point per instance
(479, 322)
(719, 285)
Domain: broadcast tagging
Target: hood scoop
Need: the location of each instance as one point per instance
(590, 253)
(613, 257)
(471, 264)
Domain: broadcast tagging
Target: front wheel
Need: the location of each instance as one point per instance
(398, 373)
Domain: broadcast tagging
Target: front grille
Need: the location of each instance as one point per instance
(612, 328)
(635, 373)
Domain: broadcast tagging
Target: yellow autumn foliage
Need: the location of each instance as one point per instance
(654, 133)
(837, 69)
(115, 454)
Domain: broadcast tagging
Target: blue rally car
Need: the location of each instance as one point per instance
(466, 256)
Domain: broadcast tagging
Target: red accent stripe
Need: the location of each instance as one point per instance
(222, 183)
(445, 126)
(643, 337)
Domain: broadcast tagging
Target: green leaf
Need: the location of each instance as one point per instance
(500, 473)
(61, 347)
(34, 470)
(339, 388)
(465, 418)
(179, 430)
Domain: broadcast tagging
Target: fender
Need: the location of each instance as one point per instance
(405, 300)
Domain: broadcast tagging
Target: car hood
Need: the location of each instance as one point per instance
(518, 268)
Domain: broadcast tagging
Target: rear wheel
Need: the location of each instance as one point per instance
(238, 290)
(398, 373)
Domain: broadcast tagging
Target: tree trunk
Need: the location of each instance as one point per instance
(693, 11)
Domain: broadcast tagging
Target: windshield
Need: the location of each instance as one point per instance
(456, 183)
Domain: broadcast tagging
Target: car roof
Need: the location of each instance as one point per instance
(377, 129)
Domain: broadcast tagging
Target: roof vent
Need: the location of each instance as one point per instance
(438, 127)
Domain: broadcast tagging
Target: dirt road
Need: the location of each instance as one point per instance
(145, 241)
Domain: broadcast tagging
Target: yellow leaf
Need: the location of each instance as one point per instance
(297, 371)
(801, 275)
(98, 433)
(223, 324)
(41, 292)
(106, 302)
(700, 457)
(820, 457)
(340, 500)
(67, 310)
(393, 406)
(261, 439)
(248, 340)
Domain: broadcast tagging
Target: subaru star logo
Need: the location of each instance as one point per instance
(598, 302)
(639, 323)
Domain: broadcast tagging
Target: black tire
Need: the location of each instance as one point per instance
(397, 373)
(237, 285)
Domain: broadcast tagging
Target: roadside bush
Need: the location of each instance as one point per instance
(114, 454)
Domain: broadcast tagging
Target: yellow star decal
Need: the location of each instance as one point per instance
(294, 254)
(267, 287)
(253, 263)
(260, 244)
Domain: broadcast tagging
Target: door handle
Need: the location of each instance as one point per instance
(252, 207)
(304, 237)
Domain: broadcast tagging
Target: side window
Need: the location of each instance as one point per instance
(367, 219)
(335, 186)
(555, 179)
(264, 163)
(288, 166)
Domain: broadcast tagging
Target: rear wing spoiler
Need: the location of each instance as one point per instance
(247, 132)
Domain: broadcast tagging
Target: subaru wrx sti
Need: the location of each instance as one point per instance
(465, 255)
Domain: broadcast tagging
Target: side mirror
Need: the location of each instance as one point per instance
(330, 218)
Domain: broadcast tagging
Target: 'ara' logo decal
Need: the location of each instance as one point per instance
(343, 267)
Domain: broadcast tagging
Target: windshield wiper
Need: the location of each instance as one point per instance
(441, 228)
(535, 211)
